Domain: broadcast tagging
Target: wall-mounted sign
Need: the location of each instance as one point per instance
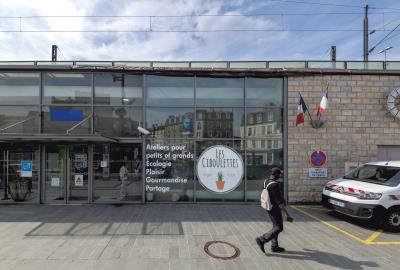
(26, 168)
(393, 103)
(220, 169)
(103, 164)
(55, 181)
(318, 158)
(78, 180)
(80, 161)
(318, 172)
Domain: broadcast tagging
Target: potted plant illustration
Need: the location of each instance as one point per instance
(220, 181)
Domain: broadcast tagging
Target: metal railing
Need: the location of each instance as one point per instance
(314, 64)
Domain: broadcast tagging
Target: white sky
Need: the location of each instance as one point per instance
(265, 45)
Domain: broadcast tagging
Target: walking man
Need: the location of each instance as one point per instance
(275, 214)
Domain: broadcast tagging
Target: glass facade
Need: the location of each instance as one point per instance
(117, 172)
(19, 88)
(184, 114)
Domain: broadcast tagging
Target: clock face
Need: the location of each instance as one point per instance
(393, 103)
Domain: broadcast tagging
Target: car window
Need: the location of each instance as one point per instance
(382, 175)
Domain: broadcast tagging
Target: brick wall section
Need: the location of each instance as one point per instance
(358, 121)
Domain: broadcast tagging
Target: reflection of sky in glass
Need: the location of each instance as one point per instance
(170, 91)
(19, 94)
(67, 87)
(222, 97)
(264, 92)
(170, 96)
(263, 97)
(219, 92)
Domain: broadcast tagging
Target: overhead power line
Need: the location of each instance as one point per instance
(315, 3)
(329, 4)
(186, 31)
(194, 15)
(386, 24)
(384, 38)
(393, 36)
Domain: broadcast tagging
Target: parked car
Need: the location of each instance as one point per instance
(371, 192)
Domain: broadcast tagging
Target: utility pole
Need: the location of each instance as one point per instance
(333, 53)
(54, 53)
(366, 34)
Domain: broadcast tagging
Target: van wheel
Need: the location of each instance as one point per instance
(392, 220)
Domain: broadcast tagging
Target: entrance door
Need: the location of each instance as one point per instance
(19, 173)
(66, 173)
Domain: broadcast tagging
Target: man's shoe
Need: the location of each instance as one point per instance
(277, 249)
(260, 244)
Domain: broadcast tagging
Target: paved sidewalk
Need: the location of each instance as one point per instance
(172, 237)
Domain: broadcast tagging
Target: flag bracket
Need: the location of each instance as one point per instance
(318, 123)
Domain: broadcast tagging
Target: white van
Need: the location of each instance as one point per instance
(372, 191)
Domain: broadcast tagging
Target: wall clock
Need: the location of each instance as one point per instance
(393, 103)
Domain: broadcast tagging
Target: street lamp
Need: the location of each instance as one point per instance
(384, 50)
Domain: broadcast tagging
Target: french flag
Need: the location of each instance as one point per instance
(301, 109)
(323, 105)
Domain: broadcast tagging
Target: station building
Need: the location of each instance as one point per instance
(133, 132)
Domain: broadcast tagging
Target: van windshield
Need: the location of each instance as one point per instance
(381, 175)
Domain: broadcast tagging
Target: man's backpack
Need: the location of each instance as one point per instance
(265, 199)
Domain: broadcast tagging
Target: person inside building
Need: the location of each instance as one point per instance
(123, 176)
(275, 214)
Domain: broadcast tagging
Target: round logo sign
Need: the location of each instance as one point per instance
(393, 103)
(318, 158)
(220, 169)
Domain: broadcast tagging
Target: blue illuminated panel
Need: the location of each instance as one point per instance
(66, 115)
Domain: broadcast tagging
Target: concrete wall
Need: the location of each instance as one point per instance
(358, 122)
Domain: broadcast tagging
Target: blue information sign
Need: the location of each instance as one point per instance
(26, 168)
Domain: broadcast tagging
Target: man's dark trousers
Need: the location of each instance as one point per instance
(276, 217)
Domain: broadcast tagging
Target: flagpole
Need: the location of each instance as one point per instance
(312, 121)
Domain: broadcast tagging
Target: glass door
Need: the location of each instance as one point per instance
(55, 164)
(78, 173)
(19, 172)
(66, 173)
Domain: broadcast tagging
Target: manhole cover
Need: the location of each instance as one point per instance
(216, 249)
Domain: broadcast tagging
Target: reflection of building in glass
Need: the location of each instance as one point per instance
(118, 119)
(263, 137)
(214, 124)
(175, 126)
(80, 97)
